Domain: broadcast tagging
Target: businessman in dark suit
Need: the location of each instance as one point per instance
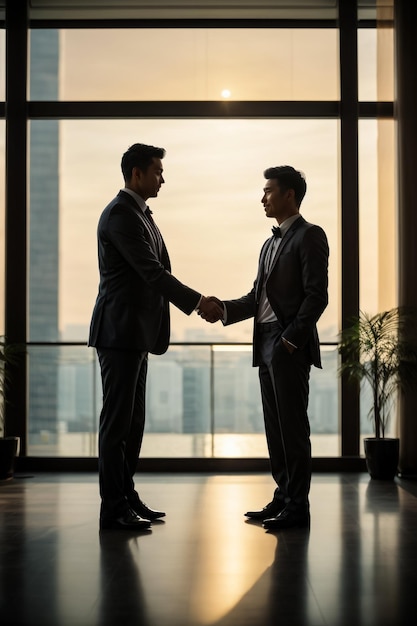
(131, 319)
(288, 297)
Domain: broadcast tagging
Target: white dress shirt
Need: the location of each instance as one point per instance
(265, 311)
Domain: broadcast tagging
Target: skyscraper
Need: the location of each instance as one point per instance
(44, 239)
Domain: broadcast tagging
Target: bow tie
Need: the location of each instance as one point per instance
(276, 231)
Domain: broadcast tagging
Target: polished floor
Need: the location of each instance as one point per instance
(206, 565)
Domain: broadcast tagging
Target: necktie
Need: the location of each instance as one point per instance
(276, 231)
(154, 230)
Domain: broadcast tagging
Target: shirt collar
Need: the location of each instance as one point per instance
(285, 225)
(141, 202)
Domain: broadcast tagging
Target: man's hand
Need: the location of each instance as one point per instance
(211, 309)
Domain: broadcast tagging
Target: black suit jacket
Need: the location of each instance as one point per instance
(136, 286)
(296, 287)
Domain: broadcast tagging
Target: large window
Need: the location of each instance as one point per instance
(93, 92)
(376, 64)
(202, 401)
(210, 213)
(377, 233)
(2, 65)
(2, 226)
(378, 216)
(209, 210)
(195, 64)
(2, 173)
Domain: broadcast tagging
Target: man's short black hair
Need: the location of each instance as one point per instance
(139, 155)
(288, 178)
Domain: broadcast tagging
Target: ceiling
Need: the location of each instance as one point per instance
(193, 9)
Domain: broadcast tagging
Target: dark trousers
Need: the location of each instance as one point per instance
(284, 380)
(122, 423)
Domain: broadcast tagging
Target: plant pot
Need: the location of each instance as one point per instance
(382, 457)
(8, 450)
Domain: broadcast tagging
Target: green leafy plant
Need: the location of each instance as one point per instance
(382, 351)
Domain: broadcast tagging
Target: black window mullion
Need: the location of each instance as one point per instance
(16, 223)
(349, 394)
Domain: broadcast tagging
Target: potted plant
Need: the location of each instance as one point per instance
(8, 445)
(381, 351)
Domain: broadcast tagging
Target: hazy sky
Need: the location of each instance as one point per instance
(209, 209)
(197, 64)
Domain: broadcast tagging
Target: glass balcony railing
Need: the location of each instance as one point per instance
(203, 400)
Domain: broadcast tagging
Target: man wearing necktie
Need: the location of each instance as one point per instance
(288, 297)
(131, 319)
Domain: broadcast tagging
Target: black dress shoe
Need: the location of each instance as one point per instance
(270, 510)
(288, 518)
(127, 521)
(142, 510)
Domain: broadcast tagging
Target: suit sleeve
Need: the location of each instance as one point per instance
(240, 309)
(125, 231)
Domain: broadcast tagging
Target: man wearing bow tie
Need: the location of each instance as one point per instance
(131, 319)
(288, 297)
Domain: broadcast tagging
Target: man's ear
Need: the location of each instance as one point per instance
(290, 195)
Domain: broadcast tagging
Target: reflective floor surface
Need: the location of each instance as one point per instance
(206, 565)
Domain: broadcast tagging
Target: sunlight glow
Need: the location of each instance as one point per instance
(232, 561)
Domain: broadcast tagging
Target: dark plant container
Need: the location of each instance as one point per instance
(8, 450)
(382, 457)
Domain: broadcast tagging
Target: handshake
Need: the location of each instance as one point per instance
(211, 309)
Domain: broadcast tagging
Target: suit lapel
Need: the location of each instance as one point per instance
(263, 255)
(161, 255)
(261, 265)
(287, 237)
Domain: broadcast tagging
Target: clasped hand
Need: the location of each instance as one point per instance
(211, 309)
